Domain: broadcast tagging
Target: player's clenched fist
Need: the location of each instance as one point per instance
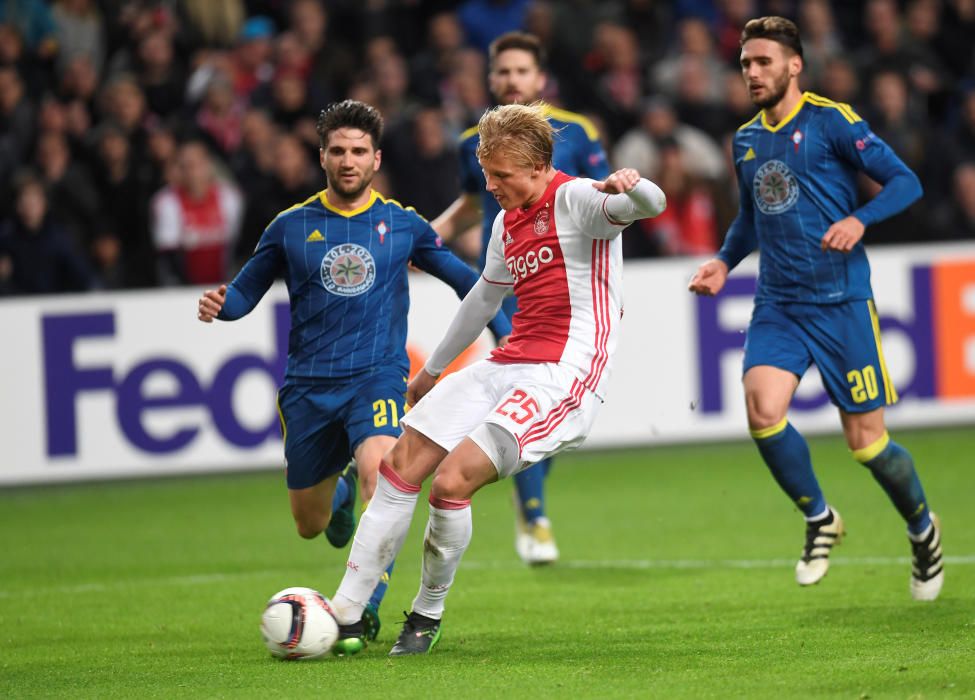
(210, 303)
(709, 278)
(843, 235)
(621, 181)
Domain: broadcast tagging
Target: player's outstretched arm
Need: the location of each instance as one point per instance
(709, 278)
(210, 303)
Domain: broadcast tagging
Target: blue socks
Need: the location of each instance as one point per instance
(893, 468)
(530, 485)
(787, 455)
(341, 494)
(379, 592)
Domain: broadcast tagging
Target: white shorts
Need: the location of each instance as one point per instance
(541, 409)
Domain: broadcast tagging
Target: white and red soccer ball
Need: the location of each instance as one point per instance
(298, 624)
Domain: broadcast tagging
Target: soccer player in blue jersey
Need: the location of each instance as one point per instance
(797, 162)
(517, 76)
(343, 253)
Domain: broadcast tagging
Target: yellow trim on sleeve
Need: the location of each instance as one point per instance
(889, 390)
(467, 133)
(865, 454)
(843, 108)
(768, 432)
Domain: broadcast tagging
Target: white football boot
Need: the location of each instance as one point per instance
(821, 536)
(927, 569)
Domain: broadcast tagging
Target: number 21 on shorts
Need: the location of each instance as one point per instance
(519, 407)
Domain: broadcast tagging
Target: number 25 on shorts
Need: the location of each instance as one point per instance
(519, 407)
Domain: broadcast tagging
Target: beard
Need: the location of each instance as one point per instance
(353, 191)
(776, 92)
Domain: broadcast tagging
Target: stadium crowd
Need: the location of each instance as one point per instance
(149, 142)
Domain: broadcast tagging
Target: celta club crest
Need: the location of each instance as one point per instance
(348, 270)
(776, 188)
(541, 222)
(796, 139)
(381, 229)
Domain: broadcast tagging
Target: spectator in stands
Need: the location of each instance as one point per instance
(196, 221)
(688, 225)
(293, 178)
(958, 218)
(892, 118)
(333, 65)
(122, 183)
(79, 29)
(820, 41)
(16, 131)
(431, 68)
(37, 256)
(161, 74)
(639, 147)
(72, 198)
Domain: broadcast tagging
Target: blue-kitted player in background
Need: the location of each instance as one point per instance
(517, 76)
(797, 163)
(343, 253)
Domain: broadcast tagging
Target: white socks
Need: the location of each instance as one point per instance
(378, 539)
(446, 538)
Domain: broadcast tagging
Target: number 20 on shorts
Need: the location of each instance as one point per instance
(519, 407)
(863, 384)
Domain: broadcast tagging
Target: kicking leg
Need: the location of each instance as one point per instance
(448, 533)
(383, 527)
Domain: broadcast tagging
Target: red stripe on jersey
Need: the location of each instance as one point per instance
(600, 303)
(500, 284)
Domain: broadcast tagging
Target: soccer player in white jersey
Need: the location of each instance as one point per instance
(556, 245)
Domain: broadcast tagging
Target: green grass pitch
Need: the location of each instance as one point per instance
(675, 581)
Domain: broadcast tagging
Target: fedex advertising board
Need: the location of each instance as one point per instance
(129, 384)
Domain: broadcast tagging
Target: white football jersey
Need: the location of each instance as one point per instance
(563, 256)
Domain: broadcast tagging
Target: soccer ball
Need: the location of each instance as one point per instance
(298, 624)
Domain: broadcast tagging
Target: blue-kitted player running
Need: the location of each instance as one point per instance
(797, 163)
(517, 76)
(343, 253)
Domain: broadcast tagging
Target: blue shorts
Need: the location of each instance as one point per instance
(842, 339)
(324, 422)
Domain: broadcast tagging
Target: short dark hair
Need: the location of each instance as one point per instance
(777, 29)
(350, 113)
(523, 41)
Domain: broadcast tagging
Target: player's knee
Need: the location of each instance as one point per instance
(762, 412)
(451, 485)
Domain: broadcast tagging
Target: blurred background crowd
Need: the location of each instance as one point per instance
(126, 123)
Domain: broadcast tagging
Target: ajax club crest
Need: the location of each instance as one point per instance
(776, 188)
(348, 270)
(541, 222)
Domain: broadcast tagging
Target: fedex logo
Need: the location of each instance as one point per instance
(66, 380)
(941, 333)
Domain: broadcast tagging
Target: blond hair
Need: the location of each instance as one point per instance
(521, 132)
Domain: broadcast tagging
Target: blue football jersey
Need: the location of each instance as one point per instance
(795, 180)
(346, 273)
(578, 152)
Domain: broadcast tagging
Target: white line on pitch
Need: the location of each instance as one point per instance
(634, 564)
